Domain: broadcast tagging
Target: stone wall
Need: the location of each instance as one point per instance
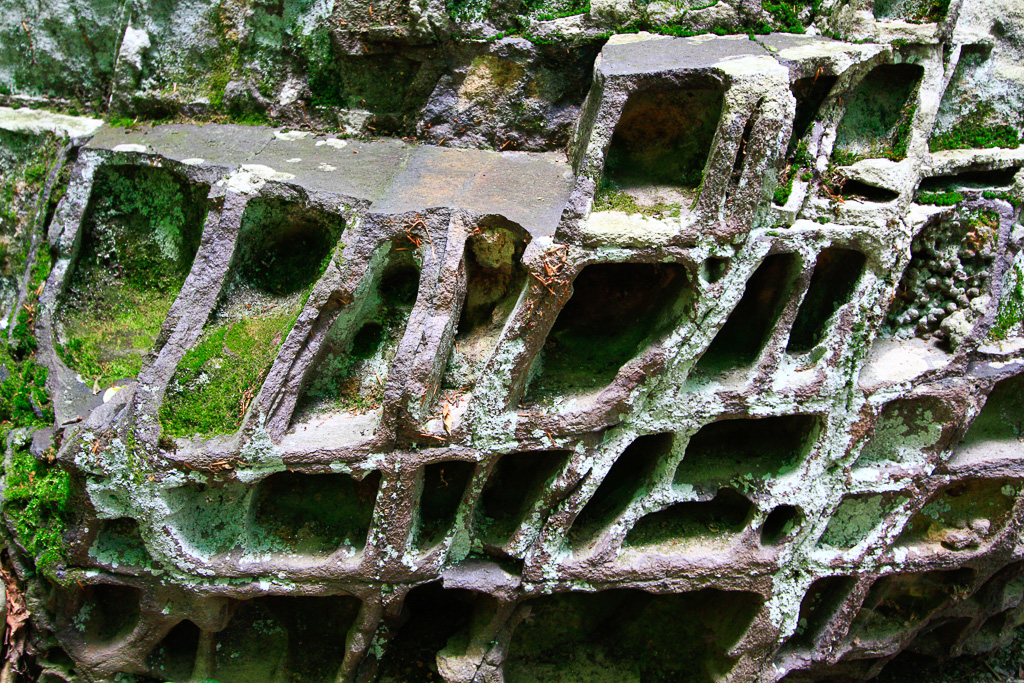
(625, 354)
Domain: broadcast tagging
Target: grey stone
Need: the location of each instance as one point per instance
(517, 411)
(42, 441)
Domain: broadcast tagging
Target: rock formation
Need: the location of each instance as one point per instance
(484, 342)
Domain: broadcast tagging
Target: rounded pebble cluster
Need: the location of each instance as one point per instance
(948, 272)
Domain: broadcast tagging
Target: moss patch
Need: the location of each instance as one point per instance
(610, 198)
(976, 132)
(24, 162)
(1005, 196)
(113, 347)
(1011, 307)
(23, 398)
(939, 198)
(787, 13)
(799, 164)
(916, 11)
(879, 118)
(143, 228)
(37, 502)
(979, 129)
(218, 378)
(23, 339)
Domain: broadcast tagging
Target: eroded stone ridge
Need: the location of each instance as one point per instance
(732, 391)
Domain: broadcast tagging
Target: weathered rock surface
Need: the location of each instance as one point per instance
(715, 374)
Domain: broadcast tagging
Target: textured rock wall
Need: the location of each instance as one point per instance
(705, 364)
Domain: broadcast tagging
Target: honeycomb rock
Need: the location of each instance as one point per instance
(732, 391)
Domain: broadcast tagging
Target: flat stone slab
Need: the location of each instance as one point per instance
(363, 170)
(37, 122)
(660, 55)
(786, 46)
(530, 189)
(793, 50)
(226, 145)
(893, 361)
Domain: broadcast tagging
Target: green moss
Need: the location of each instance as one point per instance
(25, 161)
(37, 501)
(36, 497)
(982, 223)
(878, 121)
(218, 378)
(976, 137)
(800, 163)
(117, 121)
(142, 231)
(784, 190)
(610, 198)
(546, 10)
(41, 268)
(1011, 307)
(251, 118)
(23, 398)
(673, 30)
(904, 127)
(976, 131)
(801, 155)
(842, 157)
(23, 339)
(380, 83)
(113, 346)
(939, 198)
(917, 11)
(1005, 196)
(786, 13)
